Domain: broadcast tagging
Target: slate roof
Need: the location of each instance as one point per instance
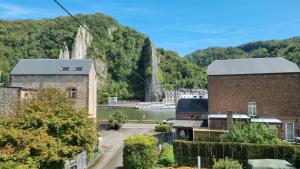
(252, 66)
(53, 67)
(192, 106)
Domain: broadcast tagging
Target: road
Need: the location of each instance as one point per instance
(112, 144)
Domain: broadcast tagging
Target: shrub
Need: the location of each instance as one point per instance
(116, 119)
(227, 164)
(140, 152)
(166, 158)
(251, 133)
(163, 128)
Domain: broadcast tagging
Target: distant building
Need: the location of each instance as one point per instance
(267, 90)
(112, 99)
(172, 96)
(77, 77)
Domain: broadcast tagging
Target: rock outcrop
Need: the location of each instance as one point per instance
(64, 54)
(82, 40)
(153, 90)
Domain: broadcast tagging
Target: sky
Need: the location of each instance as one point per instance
(180, 25)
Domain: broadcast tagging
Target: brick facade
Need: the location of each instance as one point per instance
(276, 95)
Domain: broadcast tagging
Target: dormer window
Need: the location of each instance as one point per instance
(78, 69)
(64, 68)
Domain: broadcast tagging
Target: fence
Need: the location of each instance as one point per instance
(186, 152)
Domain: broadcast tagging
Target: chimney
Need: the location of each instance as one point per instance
(229, 120)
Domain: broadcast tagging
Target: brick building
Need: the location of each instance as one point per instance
(77, 77)
(265, 89)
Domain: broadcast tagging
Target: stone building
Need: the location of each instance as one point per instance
(265, 89)
(76, 77)
(10, 98)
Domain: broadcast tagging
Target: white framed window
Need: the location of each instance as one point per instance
(72, 93)
(252, 109)
(289, 131)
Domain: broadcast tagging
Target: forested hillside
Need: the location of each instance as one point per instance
(289, 49)
(119, 47)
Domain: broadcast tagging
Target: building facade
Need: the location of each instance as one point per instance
(75, 77)
(174, 96)
(10, 98)
(265, 89)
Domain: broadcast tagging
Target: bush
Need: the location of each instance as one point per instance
(166, 158)
(251, 133)
(186, 152)
(227, 164)
(140, 152)
(116, 119)
(163, 128)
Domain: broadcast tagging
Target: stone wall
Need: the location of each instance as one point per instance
(276, 95)
(61, 82)
(9, 100)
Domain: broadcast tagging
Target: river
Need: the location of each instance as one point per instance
(137, 114)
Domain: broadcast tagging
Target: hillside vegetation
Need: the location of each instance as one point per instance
(289, 49)
(118, 46)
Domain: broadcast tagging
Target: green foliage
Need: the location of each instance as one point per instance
(116, 119)
(140, 152)
(251, 133)
(163, 128)
(124, 50)
(46, 131)
(289, 49)
(227, 164)
(178, 72)
(166, 158)
(185, 152)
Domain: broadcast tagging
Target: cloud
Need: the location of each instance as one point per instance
(12, 10)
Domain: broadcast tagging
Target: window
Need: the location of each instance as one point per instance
(252, 109)
(289, 131)
(78, 69)
(64, 68)
(71, 93)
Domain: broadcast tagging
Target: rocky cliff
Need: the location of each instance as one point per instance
(81, 42)
(153, 90)
(64, 53)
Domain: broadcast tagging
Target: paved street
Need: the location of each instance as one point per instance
(112, 144)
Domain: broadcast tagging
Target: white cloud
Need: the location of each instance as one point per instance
(12, 10)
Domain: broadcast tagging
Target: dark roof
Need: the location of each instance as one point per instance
(252, 66)
(192, 106)
(53, 67)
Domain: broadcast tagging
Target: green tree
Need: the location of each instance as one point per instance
(46, 131)
(116, 119)
(251, 133)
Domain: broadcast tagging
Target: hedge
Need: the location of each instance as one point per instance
(186, 152)
(163, 128)
(140, 152)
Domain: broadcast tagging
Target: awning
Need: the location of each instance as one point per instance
(187, 123)
(265, 120)
(224, 116)
(270, 164)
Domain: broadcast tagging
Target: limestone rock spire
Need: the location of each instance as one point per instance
(81, 42)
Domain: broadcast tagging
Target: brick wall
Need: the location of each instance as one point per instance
(275, 95)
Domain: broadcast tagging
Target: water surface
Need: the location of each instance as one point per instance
(137, 114)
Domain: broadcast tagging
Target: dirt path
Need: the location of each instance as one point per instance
(112, 146)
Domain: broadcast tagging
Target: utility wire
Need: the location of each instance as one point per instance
(69, 13)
